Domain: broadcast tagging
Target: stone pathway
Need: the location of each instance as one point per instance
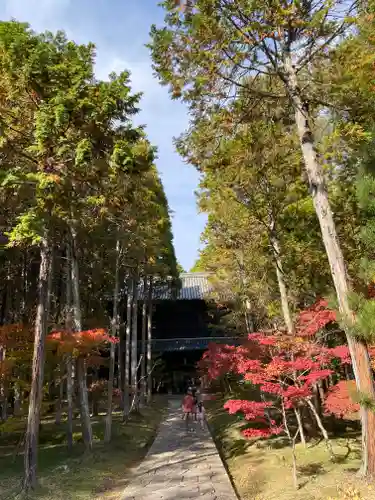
(180, 465)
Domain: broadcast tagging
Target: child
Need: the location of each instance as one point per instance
(188, 407)
(194, 393)
(200, 414)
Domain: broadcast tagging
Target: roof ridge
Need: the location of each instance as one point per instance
(193, 286)
(198, 273)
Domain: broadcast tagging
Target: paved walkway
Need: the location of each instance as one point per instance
(180, 465)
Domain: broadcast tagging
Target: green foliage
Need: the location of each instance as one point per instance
(71, 155)
(206, 52)
(29, 229)
(232, 63)
(83, 153)
(82, 150)
(347, 79)
(253, 190)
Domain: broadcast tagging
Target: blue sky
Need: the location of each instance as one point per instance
(119, 29)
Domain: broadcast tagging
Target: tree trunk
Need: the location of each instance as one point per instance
(59, 403)
(69, 358)
(294, 464)
(129, 307)
(95, 406)
(281, 282)
(149, 341)
(297, 413)
(17, 399)
(69, 397)
(4, 398)
(134, 347)
(321, 392)
(248, 316)
(9, 299)
(121, 352)
(292, 440)
(24, 290)
(85, 409)
(6, 318)
(144, 342)
(323, 430)
(243, 287)
(358, 349)
(317, 399)
(36, 393)
(111, 376)
(114, 332)
(81, 368)
(3, 304)
(3, 390)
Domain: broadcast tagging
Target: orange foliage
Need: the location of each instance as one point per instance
(17, 333)
(81, 343)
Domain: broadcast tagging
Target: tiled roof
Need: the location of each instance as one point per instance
(194, 286)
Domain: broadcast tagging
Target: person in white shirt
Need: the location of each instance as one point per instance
(200, 414)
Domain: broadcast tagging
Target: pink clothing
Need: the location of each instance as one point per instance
(188, 404)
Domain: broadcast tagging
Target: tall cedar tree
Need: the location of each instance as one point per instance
(70, 154)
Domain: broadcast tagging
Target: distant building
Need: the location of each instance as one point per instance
(183, 325)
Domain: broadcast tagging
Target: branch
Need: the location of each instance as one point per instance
(135, 395)
(305, 59)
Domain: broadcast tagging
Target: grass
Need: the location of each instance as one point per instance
(63, 476)
(261, 469)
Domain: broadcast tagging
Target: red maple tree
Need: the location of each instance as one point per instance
(315, 318)
(285, 369)
(340, 401)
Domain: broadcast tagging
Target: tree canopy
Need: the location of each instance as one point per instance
(280, 97)
(83, 210)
